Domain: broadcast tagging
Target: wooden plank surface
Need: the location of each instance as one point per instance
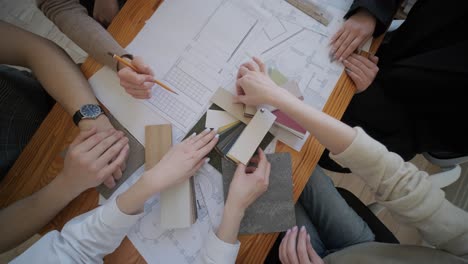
(42, 159)
(158, 139)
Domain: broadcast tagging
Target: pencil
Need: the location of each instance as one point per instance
(126, 63)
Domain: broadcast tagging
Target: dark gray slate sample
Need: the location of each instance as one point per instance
(274, 210)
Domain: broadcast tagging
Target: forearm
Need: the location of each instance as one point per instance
(133, 200)
(229, 228)
(53, 68)
(26, 217)
(72, 19)
(330, 132)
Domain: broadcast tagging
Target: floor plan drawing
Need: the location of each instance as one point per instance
(198, 67)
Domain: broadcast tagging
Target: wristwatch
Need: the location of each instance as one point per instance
(87, 111)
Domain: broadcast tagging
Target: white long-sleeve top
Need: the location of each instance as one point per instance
(89, 237)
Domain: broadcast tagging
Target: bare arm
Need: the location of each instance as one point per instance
(246, 186)
(255, 87)
(54, 69)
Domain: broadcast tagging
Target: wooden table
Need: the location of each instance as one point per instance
(41, 160)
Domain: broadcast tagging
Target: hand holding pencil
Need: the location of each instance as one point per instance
(138, 78)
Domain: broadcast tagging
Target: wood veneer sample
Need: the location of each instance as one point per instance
(249, 110)
(158, 140)
(225, 100)
(251, 137)
(178, 202)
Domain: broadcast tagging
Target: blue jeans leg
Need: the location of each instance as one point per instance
(336, 223)
(303, 219)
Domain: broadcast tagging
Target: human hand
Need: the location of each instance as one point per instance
(104, 11)
(102, 124)
(136, 84)
(254, 86)
(249, 183)
(354, 33)
(182, 161)
(92, 158)
(300, 253)
(362, 70)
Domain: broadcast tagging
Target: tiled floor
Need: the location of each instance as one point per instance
(25, 14)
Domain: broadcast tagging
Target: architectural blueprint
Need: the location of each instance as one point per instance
(195, 47)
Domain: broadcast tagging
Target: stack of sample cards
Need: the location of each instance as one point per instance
(239, 141)
(228, 137)
(219, 152)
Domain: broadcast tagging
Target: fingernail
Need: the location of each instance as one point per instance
(348, 70)
(217, 136)
(207, 129)
(207, 160)
(289, 231)
(302, 229)
(308, 237)
(346, 61)
(295, 229)
(341, 59)
(194, 134)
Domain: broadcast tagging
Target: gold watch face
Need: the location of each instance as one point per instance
(90, 111)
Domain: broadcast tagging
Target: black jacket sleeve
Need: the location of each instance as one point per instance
(383, 11)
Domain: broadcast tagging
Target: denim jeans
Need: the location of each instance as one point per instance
(329, 220)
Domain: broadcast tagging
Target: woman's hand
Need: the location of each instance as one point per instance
(254, 85)
(249, 183)
(295, 250)
(246, 186)
(182, 161)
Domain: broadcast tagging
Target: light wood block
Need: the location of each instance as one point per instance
(249, 110)
(251, 137)
(177, 202)
(225, 100)
(158, 140)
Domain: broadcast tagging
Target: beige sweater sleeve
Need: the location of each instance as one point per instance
(73, 20)
(407, 193)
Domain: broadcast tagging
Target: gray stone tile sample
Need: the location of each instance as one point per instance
(273, 211)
